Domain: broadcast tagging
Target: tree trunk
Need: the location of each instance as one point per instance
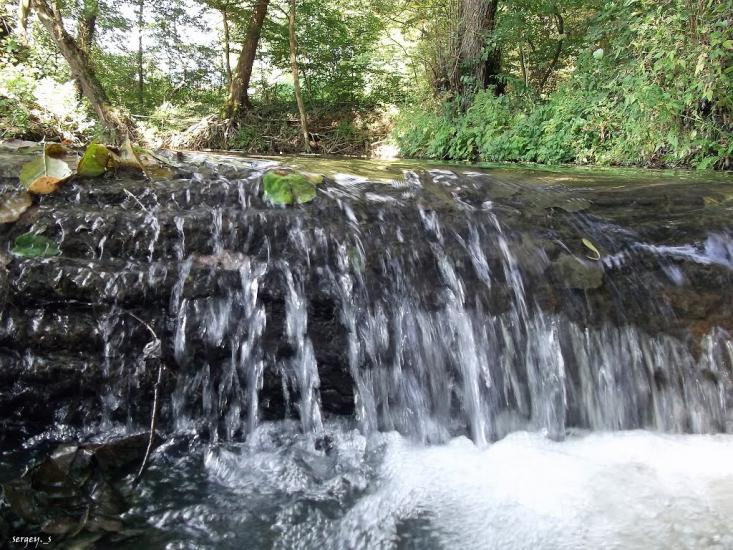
(22, 28)
(558, 48)
(296, 77)
(87, 26)
(227, 46)
(473, 72)
(140, 74)
(118, 125)
(525, 75)
(238, 96)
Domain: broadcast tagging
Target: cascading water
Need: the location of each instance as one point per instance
(324, 361)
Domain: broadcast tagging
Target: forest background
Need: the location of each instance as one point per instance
(616, 82)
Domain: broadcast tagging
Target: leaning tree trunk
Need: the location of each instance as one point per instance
(116, 123)
(238, 96)
(140, 73)
(87, 26)
(296, 77)
(474, 69)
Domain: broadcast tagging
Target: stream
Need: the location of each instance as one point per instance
(426, 356)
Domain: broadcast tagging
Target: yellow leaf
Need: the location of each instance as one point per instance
(590, 246)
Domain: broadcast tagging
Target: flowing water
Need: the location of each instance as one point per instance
(423, 357)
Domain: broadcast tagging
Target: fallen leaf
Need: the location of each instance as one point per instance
(45, 185)
(590, 246)
(13, 206)
(44, 175)
(30, 245)
(286, 188)
(94, 162)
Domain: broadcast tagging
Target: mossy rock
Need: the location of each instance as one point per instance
(287, 188)
(575, 273)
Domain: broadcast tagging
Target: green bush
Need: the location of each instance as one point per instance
(657, 94)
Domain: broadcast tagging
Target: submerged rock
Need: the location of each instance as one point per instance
(74, 494)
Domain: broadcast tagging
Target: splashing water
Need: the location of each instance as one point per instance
(432, 361)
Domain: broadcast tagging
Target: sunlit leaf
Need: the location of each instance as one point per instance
(287, 188)
(128, 159)
(94, 162)
(44, 174)
(595, 254)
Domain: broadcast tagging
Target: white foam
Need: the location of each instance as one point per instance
(633, 490)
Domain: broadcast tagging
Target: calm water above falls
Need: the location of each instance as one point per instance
(423, 357)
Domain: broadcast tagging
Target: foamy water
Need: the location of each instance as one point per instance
(620, 490)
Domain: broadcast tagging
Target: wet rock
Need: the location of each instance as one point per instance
(573, 273)
(378, 281)
(74, 493)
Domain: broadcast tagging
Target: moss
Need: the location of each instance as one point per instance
(287, 188)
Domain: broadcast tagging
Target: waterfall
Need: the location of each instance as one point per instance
(435, 304)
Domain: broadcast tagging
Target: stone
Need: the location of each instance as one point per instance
(574, 273)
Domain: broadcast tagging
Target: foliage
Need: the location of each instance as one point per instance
(338, 43)
(586, 81)
(651, 86)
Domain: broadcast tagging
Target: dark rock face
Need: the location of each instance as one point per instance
(248, 299)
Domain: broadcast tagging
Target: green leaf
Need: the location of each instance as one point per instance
(590, 246)
(44, 174)
(94, 162)
(12, 207)
(286, 188)
(30, 245)
(598, 54)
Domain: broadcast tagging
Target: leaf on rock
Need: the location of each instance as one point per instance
(285, 188)
(44, 175)
(94, 162)
(30, 245)
(596, 255)
(56, 150)
(13, 206)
